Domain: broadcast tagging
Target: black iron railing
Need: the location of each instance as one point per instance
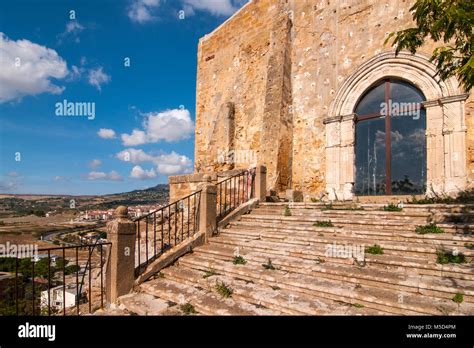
(53, 282)
(164, 228)
(234, 191)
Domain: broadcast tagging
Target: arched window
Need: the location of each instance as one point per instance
(390, 144)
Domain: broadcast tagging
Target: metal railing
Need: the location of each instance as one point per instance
(234, 191)
(48, 285)
(165, 228)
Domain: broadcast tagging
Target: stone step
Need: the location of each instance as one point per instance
(346, 213)
(403, 236)
(376, 206)
(371, 297)
(369, 224)
(426, 251)
(265, 296)
(389, 279)
(391, 246)
(420, 265)
(205, 302)
(145, 304)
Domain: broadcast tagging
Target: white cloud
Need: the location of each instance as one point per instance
(134, 156)
(97, 77)
(112, 176)
(167, 164)
(169, 125)
(73, 29)
(141, 11)
(214, 7)
(94, 164)
(27, 69)
(106, 133)
(142, 174)
(58, 178)
(137, 137)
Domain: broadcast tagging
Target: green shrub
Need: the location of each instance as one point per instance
(287, 211)
(239, 260)
(444, 257)
(431, 228)
(392, 207)
(358, 305)
(209, 273)
(188, 309)
(375, 250)
(458, 298)
(223, 289)
(323, 224)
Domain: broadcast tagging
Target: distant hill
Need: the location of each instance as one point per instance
(29, 204)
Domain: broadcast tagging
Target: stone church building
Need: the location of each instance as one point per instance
(309, 89)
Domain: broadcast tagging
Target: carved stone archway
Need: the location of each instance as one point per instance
(445, 129)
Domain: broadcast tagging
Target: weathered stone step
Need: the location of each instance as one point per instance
(393, 279)
(346, 213)
(407, 246)
(424, 250)
(205, 302)
(376, 206)
(264, 295)
(369, 224)
(447, 238)
(144, 304)
(371, 297)
(422, 266)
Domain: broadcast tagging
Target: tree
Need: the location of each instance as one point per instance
(449, 21)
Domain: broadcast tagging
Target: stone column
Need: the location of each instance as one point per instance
(434, 147)
(207, 210)
(347, 157)
(261, 183)
(120, 275)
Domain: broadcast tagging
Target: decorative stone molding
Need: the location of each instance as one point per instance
(446, 130)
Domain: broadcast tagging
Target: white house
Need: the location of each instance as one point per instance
(57, 300)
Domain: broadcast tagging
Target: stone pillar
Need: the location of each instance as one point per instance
(120, 275)
(208, 210)
(261, 183)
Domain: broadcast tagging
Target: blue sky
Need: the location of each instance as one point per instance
(133, 62)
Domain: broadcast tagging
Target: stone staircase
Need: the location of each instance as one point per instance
(287, 269)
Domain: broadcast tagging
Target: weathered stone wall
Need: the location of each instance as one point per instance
(280, 64)
(245, 63)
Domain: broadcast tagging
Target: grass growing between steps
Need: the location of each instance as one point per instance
(374, 250)
(209, 273)
(268, 265)
(358, 305)
(287, 211)
(239, 260)
(392, 207)
(223, 289)
(323, 224)
(188, 309)
(431, 228)
(458, 298)
(445, 257)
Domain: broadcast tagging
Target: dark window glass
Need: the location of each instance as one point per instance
(371, 101)
(370, 157)
(409, 154)
(404, 171)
